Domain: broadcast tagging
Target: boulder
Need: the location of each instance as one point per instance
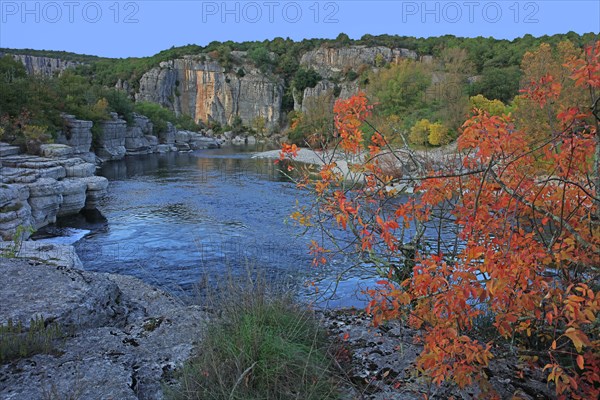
(182, 136)
(198, 142)
(238, 140)
(183, 147)
(163, 148)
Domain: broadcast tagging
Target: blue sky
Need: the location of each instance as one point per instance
(142, 28)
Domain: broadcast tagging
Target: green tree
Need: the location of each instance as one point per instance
(261, 58)
(306, 78)
(498, 83)
(400, 89)
(493, 107)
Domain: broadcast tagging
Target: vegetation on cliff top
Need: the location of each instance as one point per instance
(88, 90)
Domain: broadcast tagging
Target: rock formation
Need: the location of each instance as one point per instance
(328, 61)
(334, 64)
(122, 337)
(205, 91)
(43, 66)
(202, 88)
(78, 135)
(34, 190)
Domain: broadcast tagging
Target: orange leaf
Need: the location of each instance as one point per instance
(580, 361)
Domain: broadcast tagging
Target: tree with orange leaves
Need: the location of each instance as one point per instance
(516, 228)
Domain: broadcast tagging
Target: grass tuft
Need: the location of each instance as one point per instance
(262, 346)
(17, 342)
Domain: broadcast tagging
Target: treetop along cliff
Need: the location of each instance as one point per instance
(519, 277)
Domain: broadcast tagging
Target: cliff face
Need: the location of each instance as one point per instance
(329, 61)
(201, 89)
(43, 66)
(334, 64)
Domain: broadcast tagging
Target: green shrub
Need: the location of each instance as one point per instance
(119, 102)
(186, 122)
(237, 125)
(157, 114)
(306, 78)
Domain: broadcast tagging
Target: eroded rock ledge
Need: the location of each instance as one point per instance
(124, 337)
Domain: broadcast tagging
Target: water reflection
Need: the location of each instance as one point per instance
(177, 218)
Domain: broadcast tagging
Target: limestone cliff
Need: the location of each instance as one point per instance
(43, 66)
(329, 61)
(335, 64)
(203, 90)
(201, 87)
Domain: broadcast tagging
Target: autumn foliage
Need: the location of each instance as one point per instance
(524, 247)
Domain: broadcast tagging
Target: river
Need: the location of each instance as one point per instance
(180, 220)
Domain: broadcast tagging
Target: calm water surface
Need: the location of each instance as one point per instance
(177, 219)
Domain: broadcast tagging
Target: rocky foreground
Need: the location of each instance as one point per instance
(379, 362)
(123, 337)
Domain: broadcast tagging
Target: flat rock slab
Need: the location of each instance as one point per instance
(125, 338)
(63, 295)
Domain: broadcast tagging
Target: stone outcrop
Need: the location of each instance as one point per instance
(139, 137)
(122, 337)
(96, 189)
(333, 63)
(34, 190)
(78, 135)
(44, 66)
(324, 91)
(45, 198)
(203, 90)
(73, 196)
(329, 61)
(111, 140)
(14, 210)
(168, 137)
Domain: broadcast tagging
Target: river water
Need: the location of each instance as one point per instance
(180, 220)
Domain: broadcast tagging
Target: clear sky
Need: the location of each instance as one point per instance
(142, 28)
